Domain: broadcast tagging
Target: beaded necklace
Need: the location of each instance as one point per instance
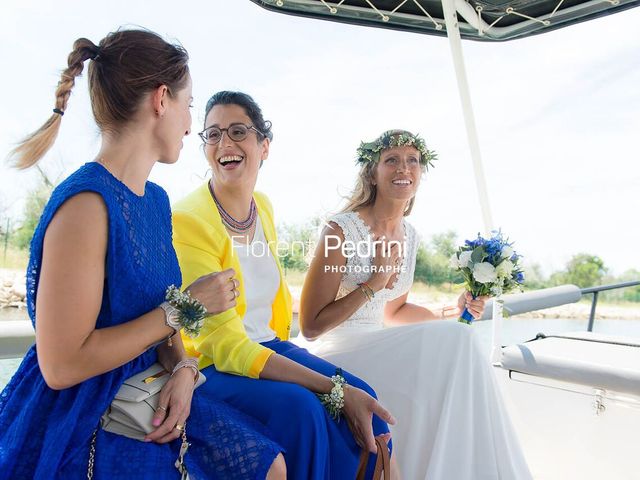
(237, 226)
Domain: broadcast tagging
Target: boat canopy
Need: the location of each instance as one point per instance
(483, 20)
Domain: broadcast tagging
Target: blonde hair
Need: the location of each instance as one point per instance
(364, 192)
(125, 66)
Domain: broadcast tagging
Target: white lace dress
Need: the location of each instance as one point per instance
(433, 377)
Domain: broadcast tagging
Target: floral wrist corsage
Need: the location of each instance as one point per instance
(334, 400)
(190, 312)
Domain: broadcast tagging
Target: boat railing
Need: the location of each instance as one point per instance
(595, 291)
(16, 336)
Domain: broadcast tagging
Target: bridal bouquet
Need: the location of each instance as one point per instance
(489, 267)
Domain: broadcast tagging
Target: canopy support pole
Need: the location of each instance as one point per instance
(455, 42)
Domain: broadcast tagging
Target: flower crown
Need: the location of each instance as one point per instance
(370, 151)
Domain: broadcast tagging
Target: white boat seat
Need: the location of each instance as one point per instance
(607, 362)
(16, 337)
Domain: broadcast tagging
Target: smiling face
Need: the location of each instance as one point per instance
(398, 173)
(234, 163)
(175, 123)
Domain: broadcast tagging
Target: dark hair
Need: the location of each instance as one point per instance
(250, 106)
(126, 65)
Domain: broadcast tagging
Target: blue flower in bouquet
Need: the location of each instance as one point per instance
(488, 267)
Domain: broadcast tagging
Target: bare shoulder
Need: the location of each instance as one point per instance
(329, 248)
(81, 218)
(334, 229)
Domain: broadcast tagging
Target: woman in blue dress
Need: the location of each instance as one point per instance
(101, 261)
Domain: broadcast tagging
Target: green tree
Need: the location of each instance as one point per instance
(534, 278)
(432, 260)
(35, 202)
(444, 244)
(431, 268)
(584, 270)
(631, 294)
(296, 244)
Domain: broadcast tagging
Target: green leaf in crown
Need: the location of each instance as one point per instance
(370, 151)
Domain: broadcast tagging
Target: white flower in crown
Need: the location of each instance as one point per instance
(370, 151)
(505, 269)
(484, 272)
(465, 259)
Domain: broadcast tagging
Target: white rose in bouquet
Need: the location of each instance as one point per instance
(465, 259)
(505, 269)
(484, 272)
(507, 252)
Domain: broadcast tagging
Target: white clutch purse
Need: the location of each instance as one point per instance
(131, 411)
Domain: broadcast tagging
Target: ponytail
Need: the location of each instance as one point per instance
(126, 66)
(37, 144)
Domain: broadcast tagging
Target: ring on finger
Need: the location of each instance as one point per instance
(160, 407)
(179, 427)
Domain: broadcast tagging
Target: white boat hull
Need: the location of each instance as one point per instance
(563, 435)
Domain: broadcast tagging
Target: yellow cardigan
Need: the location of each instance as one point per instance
(204, 246)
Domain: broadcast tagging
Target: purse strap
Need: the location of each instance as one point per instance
(180, 465)
(382, 470)
(92, 455)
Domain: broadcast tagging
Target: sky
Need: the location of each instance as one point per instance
(558, 115)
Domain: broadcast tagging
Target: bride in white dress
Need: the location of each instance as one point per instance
(432, 375)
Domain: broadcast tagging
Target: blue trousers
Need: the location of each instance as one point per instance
(316, 446)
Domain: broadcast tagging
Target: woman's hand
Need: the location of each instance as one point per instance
(173, 408)
(475, 306)
(359, 407)
(217, 291)
(386, 261)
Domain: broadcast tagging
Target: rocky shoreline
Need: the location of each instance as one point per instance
(13, 293)
(572, 311)
(13, 289)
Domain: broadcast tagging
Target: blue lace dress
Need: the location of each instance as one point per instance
(46, 433)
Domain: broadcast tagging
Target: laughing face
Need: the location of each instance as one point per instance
(234, 163)
(397, 175)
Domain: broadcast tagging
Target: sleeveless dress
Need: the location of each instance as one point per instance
(433, 376)
(46, 433)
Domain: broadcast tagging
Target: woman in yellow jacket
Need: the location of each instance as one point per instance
(244, 351)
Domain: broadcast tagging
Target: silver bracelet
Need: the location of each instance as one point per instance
(171, 315)
(191, 363)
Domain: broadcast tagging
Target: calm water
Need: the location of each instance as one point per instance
(516, 329)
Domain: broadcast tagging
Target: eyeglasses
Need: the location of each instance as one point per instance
(236, 132)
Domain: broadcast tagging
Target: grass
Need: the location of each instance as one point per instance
(13, 258)
(295, 278)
